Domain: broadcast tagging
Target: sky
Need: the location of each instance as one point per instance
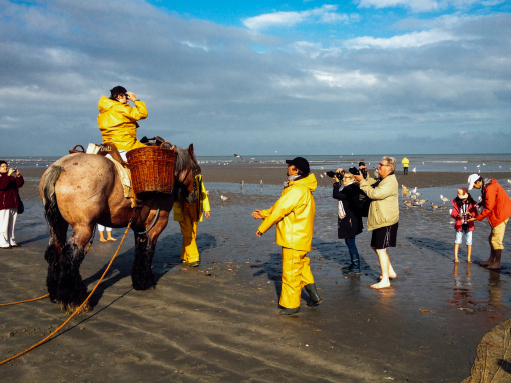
(258, 77)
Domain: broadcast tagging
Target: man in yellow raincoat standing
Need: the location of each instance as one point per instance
(294, 214)
(118, 121)
(188, 214)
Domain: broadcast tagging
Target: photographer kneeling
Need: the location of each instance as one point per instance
(350, 215)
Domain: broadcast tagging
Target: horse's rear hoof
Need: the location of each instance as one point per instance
(71, 308)
(142, 287)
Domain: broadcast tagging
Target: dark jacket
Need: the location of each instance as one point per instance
(9, 186)
(351, 225)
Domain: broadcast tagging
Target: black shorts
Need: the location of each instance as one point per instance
(384, 237)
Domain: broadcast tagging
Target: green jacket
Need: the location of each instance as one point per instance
(384, 208)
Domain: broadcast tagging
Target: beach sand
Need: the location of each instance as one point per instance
(219, 322)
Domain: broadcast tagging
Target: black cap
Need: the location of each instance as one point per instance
(301, 164)
(117, 90)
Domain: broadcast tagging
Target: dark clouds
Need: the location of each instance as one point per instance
(228, 89)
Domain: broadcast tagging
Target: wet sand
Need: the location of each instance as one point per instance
(219, 322)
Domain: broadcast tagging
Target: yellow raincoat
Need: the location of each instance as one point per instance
(294, 215)
(188, 214)
(118, 122)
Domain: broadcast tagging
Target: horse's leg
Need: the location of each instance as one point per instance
(52, 256)
(71, 290)
(141, 275)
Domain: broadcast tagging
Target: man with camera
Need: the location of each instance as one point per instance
(383, 215)
(293, 214)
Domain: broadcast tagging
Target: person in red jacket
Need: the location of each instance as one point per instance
(463, 208)
(497, 209)
(9, 201)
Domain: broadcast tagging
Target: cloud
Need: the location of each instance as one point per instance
(205, 83)
(414, 39)
(324, 14)
(426, 5)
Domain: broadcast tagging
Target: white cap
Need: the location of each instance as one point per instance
(472, 180)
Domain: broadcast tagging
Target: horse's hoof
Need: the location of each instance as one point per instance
(71, 308)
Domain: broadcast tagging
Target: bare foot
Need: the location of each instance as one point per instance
(485, 263)
(393, 276)
(469, 261)
(112, 239)
(494, 266)
(380, 285)
(102, 240)
(456, 260)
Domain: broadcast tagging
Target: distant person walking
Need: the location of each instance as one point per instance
(10, 181)
(349, 220)
(293, 214)
(463, 208)
(405, 163)
(497, 209)
(383, 215)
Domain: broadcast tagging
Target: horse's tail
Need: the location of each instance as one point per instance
(51, 208)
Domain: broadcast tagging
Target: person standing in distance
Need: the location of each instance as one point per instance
(383, 215)
(293, 214)
(405, 163)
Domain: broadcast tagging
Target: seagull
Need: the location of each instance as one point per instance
(223, 198)
(480, 198)
(484, 164)
(414, 170)
(444, 199)
(478, 166)
(508, 181)
(422, 202)
(237, 155)
(434, 206)
(408, 203)
(465, 167)
(321, 175)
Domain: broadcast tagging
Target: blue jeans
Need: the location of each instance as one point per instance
(352, 247)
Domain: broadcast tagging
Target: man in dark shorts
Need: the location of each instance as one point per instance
(383, 215)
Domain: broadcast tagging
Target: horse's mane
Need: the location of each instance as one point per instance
(184, 160)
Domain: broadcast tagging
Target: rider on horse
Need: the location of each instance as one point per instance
(118, 121)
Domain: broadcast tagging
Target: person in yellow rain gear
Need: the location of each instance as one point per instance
(117, 120)
(293, 214)
(405, 163)
(188, 214)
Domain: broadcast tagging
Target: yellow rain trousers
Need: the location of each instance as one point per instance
(189, 251)
(294, 215)
(118, 123)
(296, 273)
(188, 214)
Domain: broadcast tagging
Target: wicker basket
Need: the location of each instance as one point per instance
(152, 169)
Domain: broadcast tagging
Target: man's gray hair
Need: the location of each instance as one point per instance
(391, 161)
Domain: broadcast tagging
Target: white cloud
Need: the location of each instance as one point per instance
(410, 40)
(325, 14)
(345, 79)
(426, 5)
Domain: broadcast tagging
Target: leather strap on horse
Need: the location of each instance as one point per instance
(77, 310)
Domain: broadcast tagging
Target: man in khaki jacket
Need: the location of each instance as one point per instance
(383, 215)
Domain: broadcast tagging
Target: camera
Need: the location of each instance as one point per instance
(354, 171)
(332, 174)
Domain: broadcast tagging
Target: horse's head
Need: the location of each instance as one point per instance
(186, 170)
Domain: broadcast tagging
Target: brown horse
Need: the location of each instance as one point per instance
(83, 190)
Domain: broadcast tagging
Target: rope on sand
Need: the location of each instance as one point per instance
(77, 310)
(47, 295)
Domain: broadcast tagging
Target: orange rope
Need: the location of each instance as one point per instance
(47, 295)
(77, 310)
(28, 300)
